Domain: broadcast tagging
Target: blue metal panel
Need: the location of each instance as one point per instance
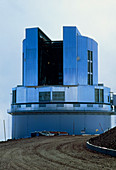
(19, 126)
(113, 121)
(23, 125)
(86, 94)
(80, 93)
(31, 57)
(69, 55)
(94, 48)
(32, 95)
(82, 62)
(85, 44)
(106, 94)
(24, 63)
(21, 95)
(75, 55)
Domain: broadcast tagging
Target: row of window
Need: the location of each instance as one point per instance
(90, 67)
(45, 96)
(88, 105)
(57, 105)
(60, 96)
(56, 96)
(60, 105)
(99, 95)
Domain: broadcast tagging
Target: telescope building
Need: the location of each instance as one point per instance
(60, 89)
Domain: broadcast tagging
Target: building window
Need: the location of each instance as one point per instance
(89, 105)
(18, 106)
(90, 67)
(42, 105)
(44, 96)
(60, 105)
(76, 105)
(91, 79)
(108, 99)
(28, 105)
(89, 55)
(96, 95)
(13, 96)
(101, 105)
(88, 79)
(58, 96)
(99, 95)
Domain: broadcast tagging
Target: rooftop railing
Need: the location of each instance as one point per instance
(62, 106)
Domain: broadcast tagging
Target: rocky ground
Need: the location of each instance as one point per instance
(52, 153)
(107, 139)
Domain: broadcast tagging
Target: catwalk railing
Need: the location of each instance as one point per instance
(59, 106)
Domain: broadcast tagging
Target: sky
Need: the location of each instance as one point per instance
(94, 18)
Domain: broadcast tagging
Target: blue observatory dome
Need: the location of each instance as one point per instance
(60, 90)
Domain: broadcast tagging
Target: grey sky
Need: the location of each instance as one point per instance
(94, 18)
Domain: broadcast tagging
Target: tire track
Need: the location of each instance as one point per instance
(52, 153)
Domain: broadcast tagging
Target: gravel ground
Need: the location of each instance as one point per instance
(52, 153)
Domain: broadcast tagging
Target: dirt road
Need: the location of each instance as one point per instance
(52, 153)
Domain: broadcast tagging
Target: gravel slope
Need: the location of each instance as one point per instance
(107, 139)
(52, 153)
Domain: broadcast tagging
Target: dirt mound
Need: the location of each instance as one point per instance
(107, 139)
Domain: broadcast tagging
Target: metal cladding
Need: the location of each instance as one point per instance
(60, 87)
(75, 57)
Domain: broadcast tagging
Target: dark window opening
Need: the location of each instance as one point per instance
(90, 67)
(101, 105)
(91, 79)
(60, 105)
(58, 96)
(99, 95)
(76, 105)
(88, 79)
(89, 105)
(96, 95)
(108, 99)
(28, 105)
(89, 55)
(19, 106)
(91, 58)
(44, 96)
(13, 96)
(50, 61)
(42, 105)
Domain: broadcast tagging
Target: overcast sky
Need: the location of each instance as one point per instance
(93, 18)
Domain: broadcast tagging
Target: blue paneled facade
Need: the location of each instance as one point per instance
(77, 124)
(70, 55)
(86, 44)
(30, 58)
(60, 86)
(75, 57)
